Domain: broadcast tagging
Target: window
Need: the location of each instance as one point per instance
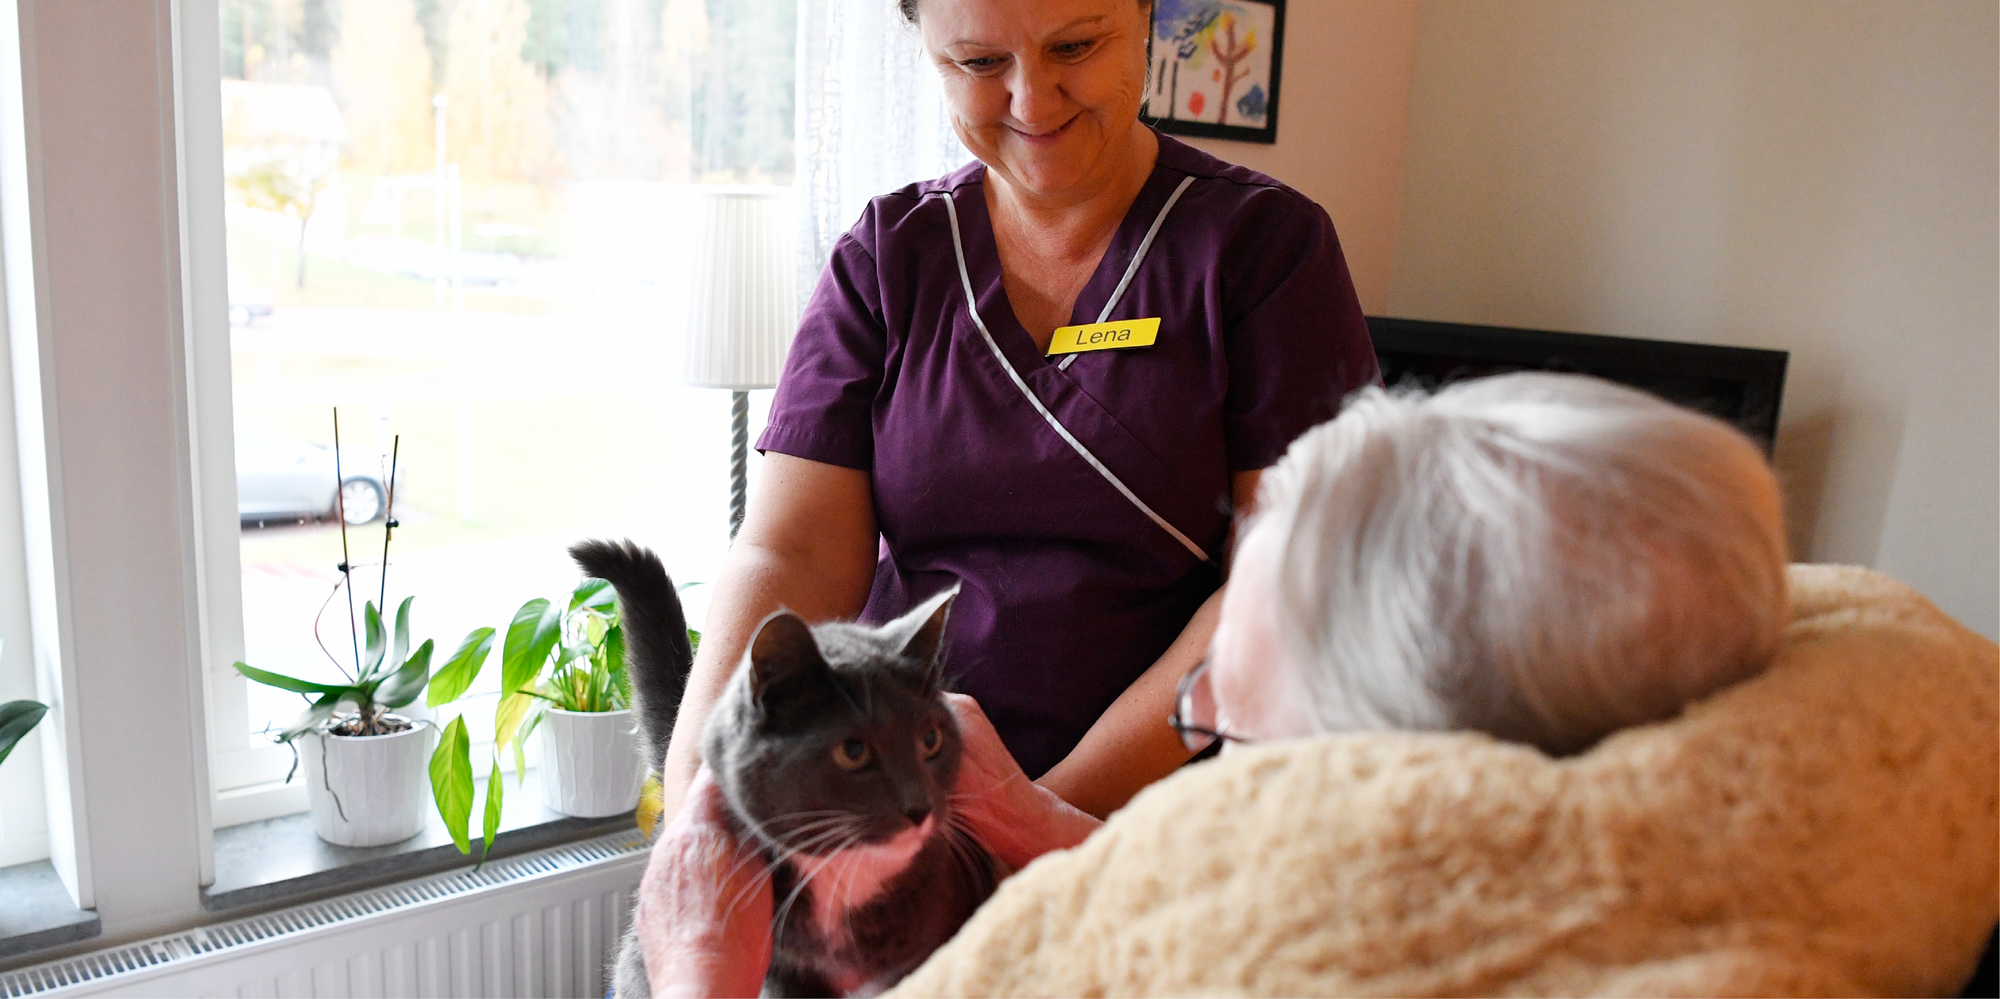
(456, 221)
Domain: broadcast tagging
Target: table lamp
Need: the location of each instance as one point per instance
(742, 307)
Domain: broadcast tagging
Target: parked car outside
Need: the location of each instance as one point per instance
(248, 301)
(280, 477)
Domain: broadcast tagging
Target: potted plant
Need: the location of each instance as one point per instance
(364, 763)
(562, 672)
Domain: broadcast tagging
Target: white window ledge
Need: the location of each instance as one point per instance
(282, 861)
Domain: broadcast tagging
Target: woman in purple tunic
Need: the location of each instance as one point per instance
(1078, 484)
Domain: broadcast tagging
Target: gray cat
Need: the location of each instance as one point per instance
(835, 752)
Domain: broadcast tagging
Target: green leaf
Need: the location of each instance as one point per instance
(451, 781)
(595, 594)
(378, 642)
(407, 682)
(287, 683)
(507, 718)
(402, 642)
(694, 640)
(521, 741)
(613, 649)
(496, 784)
(17, 719)
(533, 635)
(615, 674)
(316, 715)
(462, 668)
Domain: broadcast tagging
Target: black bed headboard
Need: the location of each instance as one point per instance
(1738, 384)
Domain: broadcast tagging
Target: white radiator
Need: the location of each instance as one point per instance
(541, 924)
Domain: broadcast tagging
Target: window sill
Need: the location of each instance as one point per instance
(282, 861)
(36, 911)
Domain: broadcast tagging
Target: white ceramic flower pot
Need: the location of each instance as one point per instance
(590, 762)
(368, 790)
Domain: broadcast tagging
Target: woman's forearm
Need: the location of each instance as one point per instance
(808, 545)
(1131, 745)
(754, 582)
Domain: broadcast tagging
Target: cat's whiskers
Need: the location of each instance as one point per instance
(762, 830)
(981, 795)
(844, 890)
(964, 847)
(805, 877)
(783, 845)
(806, 836)
(743, 894)
(766, 873)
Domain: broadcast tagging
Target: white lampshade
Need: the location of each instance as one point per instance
(742, 302)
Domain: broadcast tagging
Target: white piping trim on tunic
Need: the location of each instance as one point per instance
(1145, 245)
(971, 306)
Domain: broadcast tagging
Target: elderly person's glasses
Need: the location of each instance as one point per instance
(1194, 711)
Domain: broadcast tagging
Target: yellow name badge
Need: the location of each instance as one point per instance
(1105, 336)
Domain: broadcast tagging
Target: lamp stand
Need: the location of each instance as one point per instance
(739, 459)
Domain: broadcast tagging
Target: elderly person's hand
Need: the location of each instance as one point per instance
(1014, 818)
(704, 909)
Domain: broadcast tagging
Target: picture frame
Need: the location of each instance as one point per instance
(1214, 68)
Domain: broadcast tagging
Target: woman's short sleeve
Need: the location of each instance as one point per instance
(1294, 335)
(824, 407)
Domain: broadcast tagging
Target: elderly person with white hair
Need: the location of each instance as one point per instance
(1516, 703)
(1543, 558)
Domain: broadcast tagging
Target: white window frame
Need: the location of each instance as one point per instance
(248, 772)
(24, 834)
(31, 772)
(93, 225)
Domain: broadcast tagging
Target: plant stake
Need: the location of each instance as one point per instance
(347, 571)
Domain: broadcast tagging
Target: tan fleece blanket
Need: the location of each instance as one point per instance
(1829, 827)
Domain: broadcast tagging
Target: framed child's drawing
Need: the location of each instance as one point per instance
(1214, 69)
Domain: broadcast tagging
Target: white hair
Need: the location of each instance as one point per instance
(1546, 558)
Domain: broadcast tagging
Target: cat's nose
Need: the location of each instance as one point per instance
(917, 815)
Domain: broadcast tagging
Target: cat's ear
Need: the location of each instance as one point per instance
(783, 657)
(925, 628)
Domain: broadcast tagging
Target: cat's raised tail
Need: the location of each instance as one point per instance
(658, 654)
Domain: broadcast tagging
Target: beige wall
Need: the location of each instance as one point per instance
(1343, 103)
(1806, 175)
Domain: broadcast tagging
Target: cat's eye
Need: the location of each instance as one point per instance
(852, 754)
(931, 741)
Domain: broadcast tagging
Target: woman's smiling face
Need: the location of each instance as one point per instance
(1045, 92)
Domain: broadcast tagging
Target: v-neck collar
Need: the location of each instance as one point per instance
(982, 259)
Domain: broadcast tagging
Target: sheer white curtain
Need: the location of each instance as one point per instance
(870, 119)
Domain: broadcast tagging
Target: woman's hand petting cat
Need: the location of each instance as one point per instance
(704, 910)
(1014, 818)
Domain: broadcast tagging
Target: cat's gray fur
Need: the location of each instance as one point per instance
(804, 693)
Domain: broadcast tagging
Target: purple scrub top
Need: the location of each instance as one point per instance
(1069, 592)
